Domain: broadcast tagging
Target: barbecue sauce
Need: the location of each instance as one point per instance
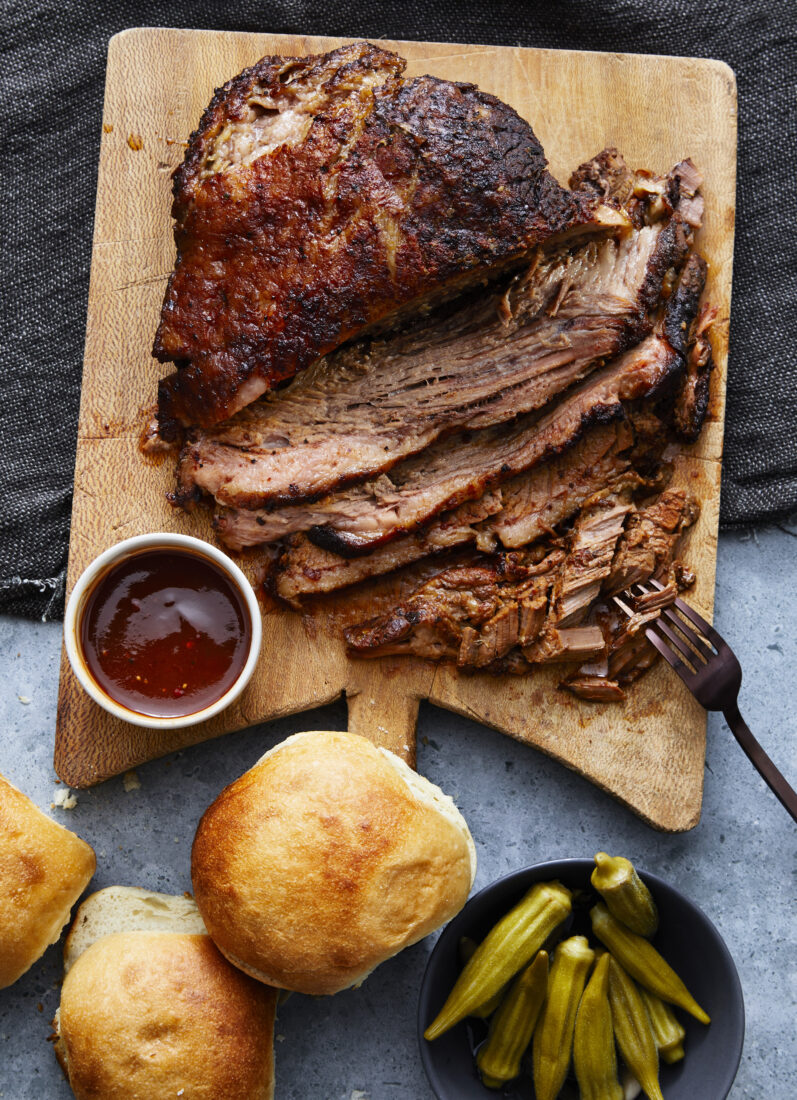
(165, 633)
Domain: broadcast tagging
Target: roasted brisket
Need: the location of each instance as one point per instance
(358, 412)
(489, 367)
(522, 510)
(472, 613)
(323, 194)
(508, 607)
(460, 468)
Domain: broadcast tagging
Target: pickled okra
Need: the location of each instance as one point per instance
(505, 950)
(467, 949)
(643, 962)
(668, 1031)
(633, 1030)
(512, 1025)
(594, 1059)
(553, 1038)
(627, 897)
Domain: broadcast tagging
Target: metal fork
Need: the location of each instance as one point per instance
(709, 668)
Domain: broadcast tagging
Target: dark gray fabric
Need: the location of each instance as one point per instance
(53, 62)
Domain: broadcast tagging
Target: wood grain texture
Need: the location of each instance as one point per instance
(647, 752)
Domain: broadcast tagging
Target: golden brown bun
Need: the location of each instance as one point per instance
(43, 871)
(326, 858)
(151, 1015)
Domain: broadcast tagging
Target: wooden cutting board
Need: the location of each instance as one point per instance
(649, 751)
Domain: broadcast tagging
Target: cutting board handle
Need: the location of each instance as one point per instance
(381, 709)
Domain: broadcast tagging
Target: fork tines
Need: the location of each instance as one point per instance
(671, 633)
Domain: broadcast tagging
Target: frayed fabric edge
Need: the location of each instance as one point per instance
(40, 584)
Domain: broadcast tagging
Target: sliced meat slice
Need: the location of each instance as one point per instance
(459, 469)
(358, 412)
(446, 616)
(305, 569)
(589, 559)
(538, 501)
(522, 510)
(485, 616)
(322, 194)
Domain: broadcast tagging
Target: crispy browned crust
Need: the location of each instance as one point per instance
(607, 175)
(398, 190)
(689, 331)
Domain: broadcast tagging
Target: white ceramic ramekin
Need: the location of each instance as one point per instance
(85, 584)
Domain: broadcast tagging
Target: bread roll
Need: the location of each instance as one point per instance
(43, 871)
(159, 1013)
(326, 858)
(128, 909)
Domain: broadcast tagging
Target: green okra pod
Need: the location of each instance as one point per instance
(467, 949)
(625, 894)
(553, 1037)
(513, 1024)
(633, 1030)
(668, 1031)
(594, 1059)
(643, 962)
(505, 950)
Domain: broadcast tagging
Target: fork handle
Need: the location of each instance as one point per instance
(759, 759)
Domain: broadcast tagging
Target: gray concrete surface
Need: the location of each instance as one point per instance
(738, 864)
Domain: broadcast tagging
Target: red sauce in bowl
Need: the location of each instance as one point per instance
(165, 632)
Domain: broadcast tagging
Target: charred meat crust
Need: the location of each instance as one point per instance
(396, 190)
(688, 331)
(691, 404)
(682, 304)
(271, 76)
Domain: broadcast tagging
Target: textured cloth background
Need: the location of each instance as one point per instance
(53, 64)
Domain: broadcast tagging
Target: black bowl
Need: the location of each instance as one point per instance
(686, 938)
